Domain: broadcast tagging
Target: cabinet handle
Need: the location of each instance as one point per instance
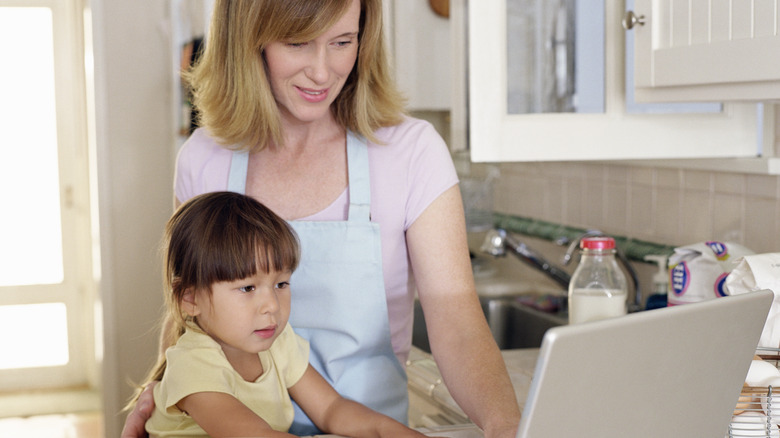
(631, 19)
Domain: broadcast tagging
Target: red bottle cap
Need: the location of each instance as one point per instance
(597, 243)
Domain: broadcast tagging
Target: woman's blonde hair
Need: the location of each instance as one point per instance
(231, 89)
(216, 237)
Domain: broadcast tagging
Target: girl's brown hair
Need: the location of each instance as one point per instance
(231, 89)
(216, 237)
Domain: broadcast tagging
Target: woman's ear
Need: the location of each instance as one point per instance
(189, 303)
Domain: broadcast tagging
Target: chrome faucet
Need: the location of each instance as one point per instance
(497, 242)
(632, 307)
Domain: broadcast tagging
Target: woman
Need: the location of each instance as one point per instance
(299, 112)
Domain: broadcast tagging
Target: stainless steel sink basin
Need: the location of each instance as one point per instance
(514, 325)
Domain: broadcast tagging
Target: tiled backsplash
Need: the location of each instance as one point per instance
(663, 205)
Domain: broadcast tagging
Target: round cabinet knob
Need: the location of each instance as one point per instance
(631, 19)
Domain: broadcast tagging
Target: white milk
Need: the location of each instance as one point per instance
(589, 305)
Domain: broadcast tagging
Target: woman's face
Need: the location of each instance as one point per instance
(307, 77)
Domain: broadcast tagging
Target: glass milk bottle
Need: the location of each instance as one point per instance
(598, 288)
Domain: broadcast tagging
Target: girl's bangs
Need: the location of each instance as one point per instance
(255, 251)
(282, 257)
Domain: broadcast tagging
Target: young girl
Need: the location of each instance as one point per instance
(236, 362)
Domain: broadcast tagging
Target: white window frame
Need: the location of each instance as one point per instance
(78, 289)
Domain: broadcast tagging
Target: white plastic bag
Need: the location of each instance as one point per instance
(757, 272)
(698, 272)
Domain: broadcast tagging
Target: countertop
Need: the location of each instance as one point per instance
(425, 379)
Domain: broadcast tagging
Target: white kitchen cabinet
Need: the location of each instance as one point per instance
(420, 41)
(495, 135)
(690, 50)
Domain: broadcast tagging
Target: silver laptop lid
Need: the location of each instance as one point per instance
(672, 372)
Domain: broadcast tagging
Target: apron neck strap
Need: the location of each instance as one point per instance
(359, 182)
(239, 165)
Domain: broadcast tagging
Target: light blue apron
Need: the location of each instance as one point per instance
(339, 300)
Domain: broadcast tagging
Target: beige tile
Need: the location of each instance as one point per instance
(667, 178)
(761, 186)
(595, 172)
(640, 211)
(555, 169)
(662, 205)
(593, 207)
(553, 201)
(668, 201)
(639, 175)
(696, 217)
(697, 180)
(506, 193)
(617, 173)
(509, 169)
(530, 198)
(574, 202)
(573, 169)
(727, 218)
(733, 183)
(761, 225)
(616, 209)
(777, 179)
(535, 169)
(667, 214)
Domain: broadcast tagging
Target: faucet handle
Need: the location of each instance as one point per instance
(494, 243)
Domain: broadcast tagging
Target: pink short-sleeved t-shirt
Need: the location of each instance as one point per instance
(408, 171)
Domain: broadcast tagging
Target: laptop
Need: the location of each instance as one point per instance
(664, 373)
(671, 372)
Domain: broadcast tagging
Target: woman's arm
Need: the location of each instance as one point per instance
(337, 415)
(461, 342)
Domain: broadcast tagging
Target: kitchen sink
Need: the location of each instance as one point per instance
(513, 323)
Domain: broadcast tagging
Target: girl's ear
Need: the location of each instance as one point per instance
(189, 303)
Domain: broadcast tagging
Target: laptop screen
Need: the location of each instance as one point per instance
(671, 372)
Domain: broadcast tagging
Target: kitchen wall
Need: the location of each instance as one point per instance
(134, 148)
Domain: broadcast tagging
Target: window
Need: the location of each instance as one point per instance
(46, 286)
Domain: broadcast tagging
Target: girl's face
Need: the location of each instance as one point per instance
(307, 77)
(244, 316)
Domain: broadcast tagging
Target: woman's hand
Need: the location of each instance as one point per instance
(398, 430)
(508, 430)
(337, 415)
(135, 424)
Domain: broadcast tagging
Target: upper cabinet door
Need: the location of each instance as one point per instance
(689, 50)
(421, 51)
(497, 133)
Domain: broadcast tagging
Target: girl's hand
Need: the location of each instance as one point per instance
(135, 424)
(336, 415)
